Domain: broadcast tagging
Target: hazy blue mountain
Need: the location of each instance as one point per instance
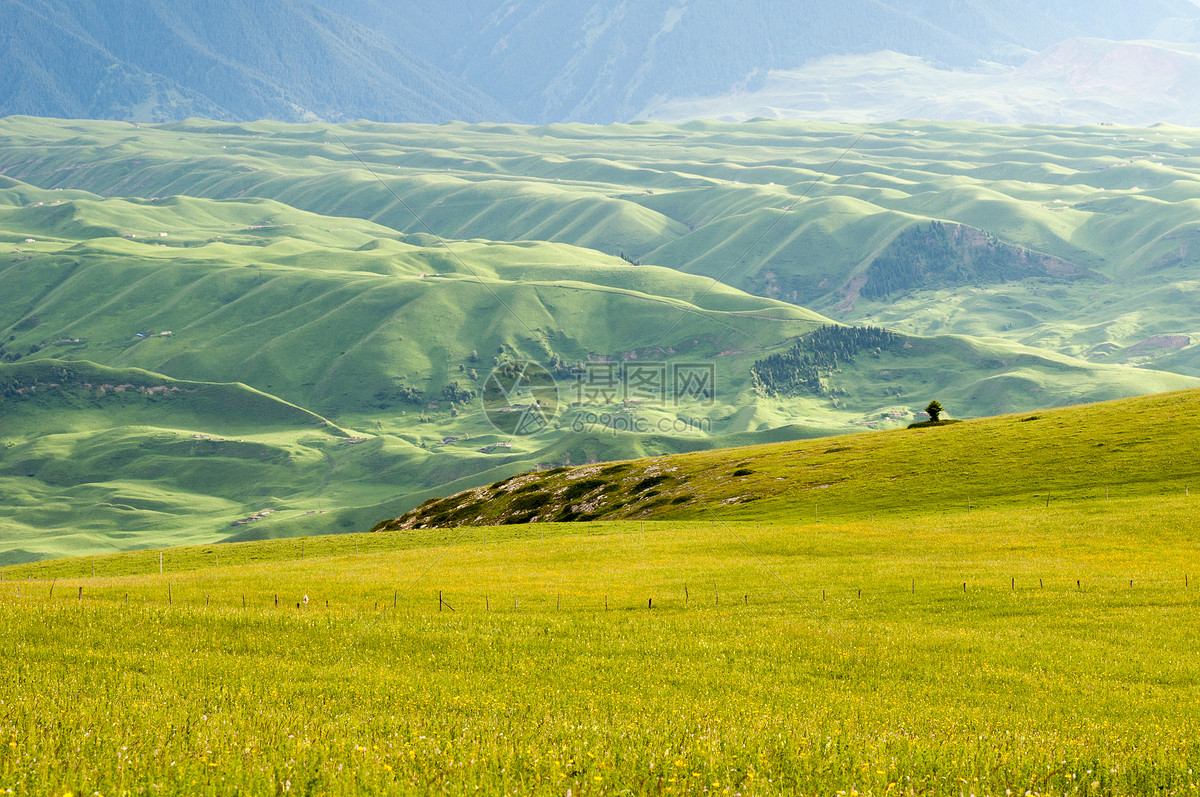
(1079, 81)
(534, 61)
(606, 60)
(155, 60)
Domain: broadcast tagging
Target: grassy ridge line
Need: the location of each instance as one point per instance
(100, 459)
(1134, 445)
(235, 403)
(794, 658)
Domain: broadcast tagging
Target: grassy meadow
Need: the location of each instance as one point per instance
(1039, 651)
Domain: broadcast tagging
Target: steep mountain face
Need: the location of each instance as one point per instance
(152, 60)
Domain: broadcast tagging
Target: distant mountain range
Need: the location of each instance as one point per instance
(163, 60)
(534, 61)
(1076, 82)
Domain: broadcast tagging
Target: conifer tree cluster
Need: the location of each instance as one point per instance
(808, 363)
(940, 254)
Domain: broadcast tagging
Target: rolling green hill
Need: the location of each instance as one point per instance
(305, 263)
(1112, 209)
(1132, 447)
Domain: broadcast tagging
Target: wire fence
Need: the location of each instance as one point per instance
(570, 597)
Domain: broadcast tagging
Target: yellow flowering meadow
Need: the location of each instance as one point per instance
(1006, 653)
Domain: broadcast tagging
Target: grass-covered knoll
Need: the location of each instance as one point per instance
(1022, 650)
(1131, 447)
(1091, 215)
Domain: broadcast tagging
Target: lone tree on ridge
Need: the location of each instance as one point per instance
(934, 409)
